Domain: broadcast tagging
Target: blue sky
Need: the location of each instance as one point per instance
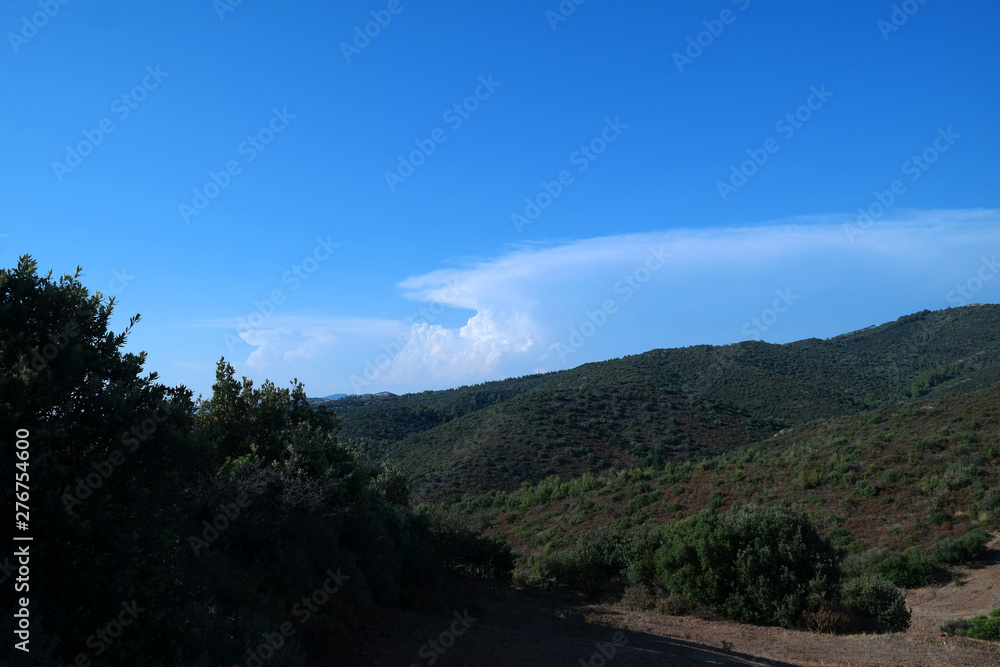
(476, 191)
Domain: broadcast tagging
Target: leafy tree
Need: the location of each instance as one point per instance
(213, 519)
(245, 420)
(109, 450)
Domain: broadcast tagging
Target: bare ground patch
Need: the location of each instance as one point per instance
(972, 591)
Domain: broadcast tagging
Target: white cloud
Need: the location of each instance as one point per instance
(472, 350)
(527, 301)
(299, 340)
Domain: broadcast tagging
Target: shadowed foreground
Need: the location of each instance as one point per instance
(519, 627)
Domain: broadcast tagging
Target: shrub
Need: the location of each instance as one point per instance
(959, 475)
(639, 597)
(979, 627)
(879, 601)
(752, 565)
(894, 476)
(952, 550)
(807, 480)
(601, 564)
(865, 489)
(465, 551)
(843, 541)
(991, 501)
(828, 618)
(908, 569)
(938, 517)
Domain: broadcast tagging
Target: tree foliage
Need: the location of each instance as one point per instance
(215, 519)
(753, 565)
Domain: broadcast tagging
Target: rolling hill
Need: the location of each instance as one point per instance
(891, 477)
(668, 405)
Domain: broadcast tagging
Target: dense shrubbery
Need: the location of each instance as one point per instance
(217, 519)
(964, 549)
(915, 566)
(749, 564)
(464, 550)
(603, 564)
(877, 600)
(908, 569)
(752, 565)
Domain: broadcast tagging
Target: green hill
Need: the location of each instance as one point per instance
(669, 405)
(370, 418)
(893, 477)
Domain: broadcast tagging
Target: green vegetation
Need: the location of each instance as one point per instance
(879, 601)
(979, 627)
(817, 465)
(600, 533)
(797, 485)
(908, 569)
(915, 566)
(752, 565)
(465, 550)
(673, 405)
(213, 519)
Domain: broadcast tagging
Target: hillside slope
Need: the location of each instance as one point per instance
(381, 420)
(669, 405)
(892, 477)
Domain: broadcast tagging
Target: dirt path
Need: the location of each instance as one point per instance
(496, 626)
(975, 591)
(516, 628)
(778, 646)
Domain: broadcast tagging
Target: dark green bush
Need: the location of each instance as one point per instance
(979, 627)
(908, 569)
(938, 517)
(878, 600)
(990, 502)
(894, 476)
(865, 489)
(464, 550)
(601, 564)
(951, 551)
(752, 565)
(841, 539)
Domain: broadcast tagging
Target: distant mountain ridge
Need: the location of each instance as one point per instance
(338, 397)
(669, 404)
(331, 397)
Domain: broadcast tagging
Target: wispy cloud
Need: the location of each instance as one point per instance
(531, 299)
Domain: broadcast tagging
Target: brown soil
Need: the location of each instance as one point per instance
(522, 627)
(971, 591)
